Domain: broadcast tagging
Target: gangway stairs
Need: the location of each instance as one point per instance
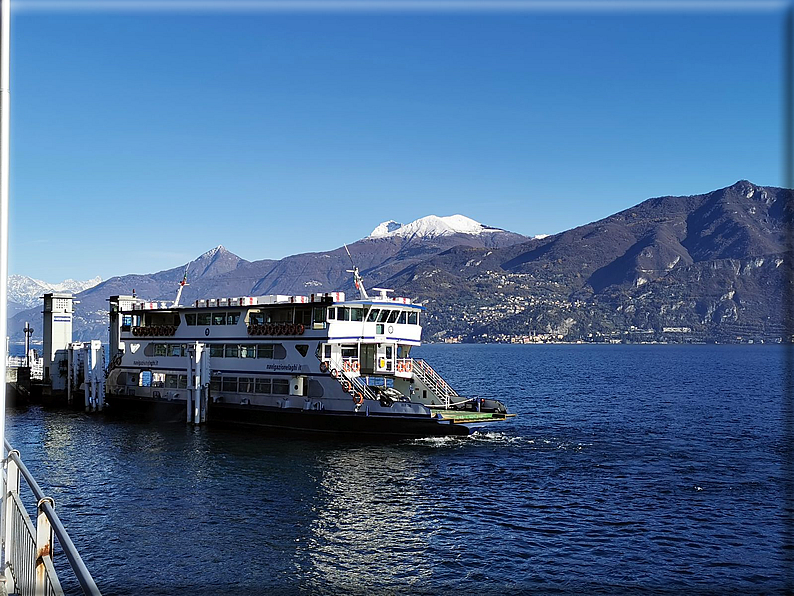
(436, 383)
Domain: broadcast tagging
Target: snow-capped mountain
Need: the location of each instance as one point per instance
(27, 291)
(431, 227)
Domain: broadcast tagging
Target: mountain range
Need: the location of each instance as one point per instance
(692, 268)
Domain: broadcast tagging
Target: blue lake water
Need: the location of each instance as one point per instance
(630, 469)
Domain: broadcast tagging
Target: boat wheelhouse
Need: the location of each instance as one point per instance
(310, 363)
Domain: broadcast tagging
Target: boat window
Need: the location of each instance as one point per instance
(281, 386)
(327, 351)
(262, 386)
(303, 316)
(331, 314)
(121, 379)
(182, 381)
(229, 384)
(158, 379)
(232, 318)
(247, 351)
(403, 317)
(342, 313)
(303, 349)
(373, 315)
(403, 351)
(216, 350)
(171, 381)
(257, 318)
(160, 350)
(219, 318)
(384, 314)
(388, 351)
(350, 351)
(246, 385)
(146, 378)
(265, 351)
(319, 315)
(175, 350)
(413, 318)
(232, 350)
(126, 322)
(215, 383)
(190, 318)
(355, 314)
(203, 318)
(393, 316)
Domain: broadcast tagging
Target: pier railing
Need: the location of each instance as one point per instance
(28, 548)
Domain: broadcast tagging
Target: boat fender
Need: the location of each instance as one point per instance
(323, 366)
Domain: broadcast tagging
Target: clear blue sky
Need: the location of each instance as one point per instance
(140, 140)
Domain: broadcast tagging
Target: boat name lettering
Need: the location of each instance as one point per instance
(287, 367)
(145, 362)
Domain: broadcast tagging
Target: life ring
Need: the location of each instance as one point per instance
(358, 398)
(346, 385)
(135, 331)
(323, 366)
(355, 366)
(301, 328)
(408, 366)
(400, 367)
(291, 329)
(334, 373)
(251, 330)
(346, 366)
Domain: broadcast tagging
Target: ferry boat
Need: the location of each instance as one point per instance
(317, 363)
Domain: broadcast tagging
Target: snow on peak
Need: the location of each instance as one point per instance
(430, 227)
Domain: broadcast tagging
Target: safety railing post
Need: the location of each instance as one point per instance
(12, 486)
(43, 547)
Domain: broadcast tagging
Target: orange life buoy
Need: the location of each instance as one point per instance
(400, 367)
(346, 385)
(301, 328)
(409, 366)
(358, 398)
(355, 366)
(346, 365)
(323, 366)
(334, 373)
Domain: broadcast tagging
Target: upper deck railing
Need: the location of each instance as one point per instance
(27, 548)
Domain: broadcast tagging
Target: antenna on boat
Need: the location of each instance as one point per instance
(182, 284)
(357, 277)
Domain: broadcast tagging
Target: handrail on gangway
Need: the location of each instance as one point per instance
(42, 574)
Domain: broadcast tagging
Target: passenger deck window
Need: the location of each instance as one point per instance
(262, 386)
(160, 349)
(190, 318)
(281, 386)
(203, 318)
(216, 350)
(229, 384)
(232, 318)
(246, 385)
(175, 350)
(265, 351)
(232, 350)
(215, 383)
(182, 382)
(219, 318)
(171, 381)
(247, 351)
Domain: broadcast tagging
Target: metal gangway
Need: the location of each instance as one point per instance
(427, 374)
(27, 548)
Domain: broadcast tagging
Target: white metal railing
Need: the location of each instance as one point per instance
(28, 548)
(425, 373)
(346, 374)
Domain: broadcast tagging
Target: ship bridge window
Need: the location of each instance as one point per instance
(216, 350)
(331, 314)
(190, 318)
(203, 318)
(356, 314)
(229, 384)
(319, 315)
(342, 313)
(232, 318)
(262, 386)
(232, 350)
(413, 318)
(403, 318)
(219, 318)
(373, 315)
(384, 314)
(393, 316)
